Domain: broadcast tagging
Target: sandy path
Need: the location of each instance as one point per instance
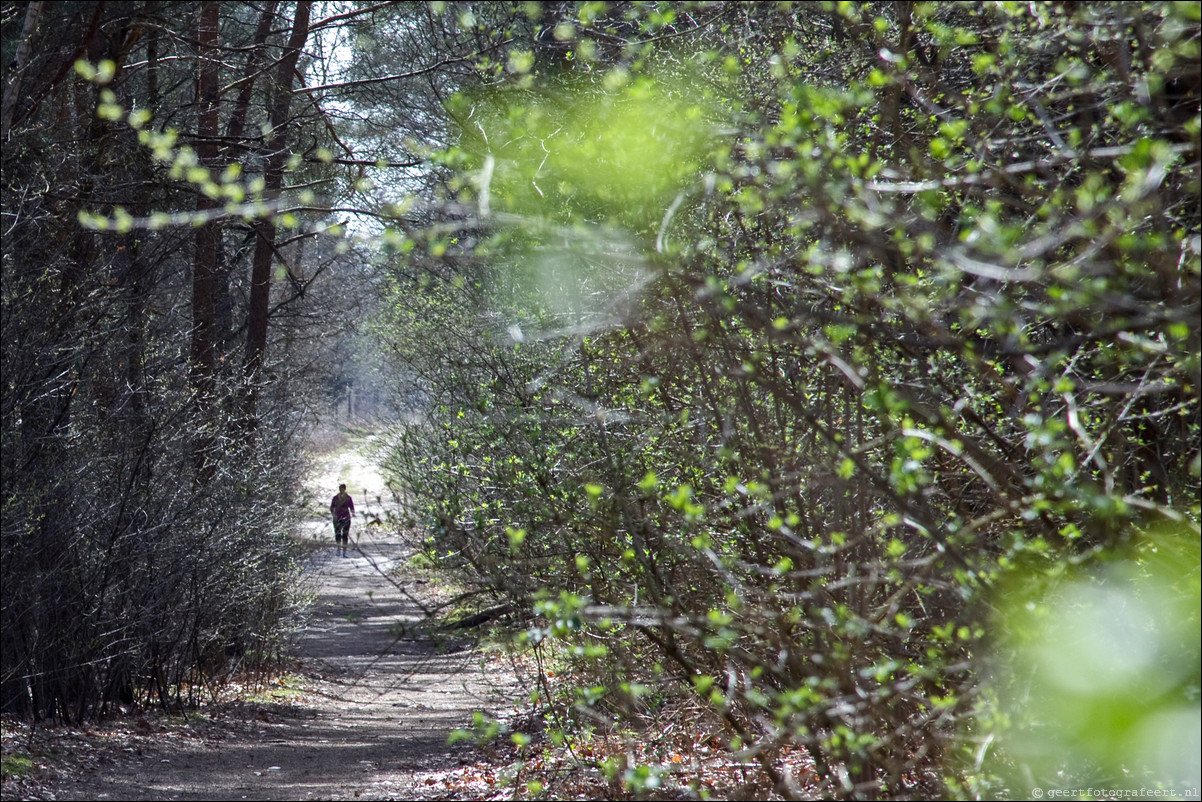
(380, 708)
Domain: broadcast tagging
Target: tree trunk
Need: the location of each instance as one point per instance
(207, 235)
(277, 157)
(237, 120)
(20, 62)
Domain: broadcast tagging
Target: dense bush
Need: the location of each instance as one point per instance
(127, 578)
(920, 316)
(150, 457)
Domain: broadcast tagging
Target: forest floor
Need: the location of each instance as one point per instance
(365, 713)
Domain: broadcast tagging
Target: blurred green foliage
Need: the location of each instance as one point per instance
(1100, 669)
(576, 154)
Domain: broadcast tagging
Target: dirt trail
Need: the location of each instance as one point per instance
(375, 722)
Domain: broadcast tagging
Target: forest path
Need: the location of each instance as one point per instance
(376, 711)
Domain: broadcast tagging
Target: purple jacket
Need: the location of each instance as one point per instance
(342, 510)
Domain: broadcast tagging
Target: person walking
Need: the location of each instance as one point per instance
(342, 507)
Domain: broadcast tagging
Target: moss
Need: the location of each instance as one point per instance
(15, 765)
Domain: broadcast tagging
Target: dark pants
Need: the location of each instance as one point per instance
(342, 530)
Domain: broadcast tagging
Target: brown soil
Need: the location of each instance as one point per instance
(368, 717)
